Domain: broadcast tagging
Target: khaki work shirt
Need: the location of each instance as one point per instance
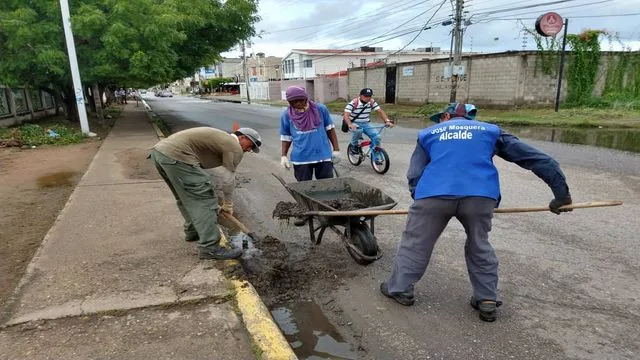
(205, 147)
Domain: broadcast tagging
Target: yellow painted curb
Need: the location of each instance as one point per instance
(264, 332)
(260, 324)
(158, 131)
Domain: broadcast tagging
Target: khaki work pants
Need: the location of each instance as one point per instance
(195, 197)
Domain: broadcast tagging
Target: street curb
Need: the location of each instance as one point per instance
(258, 321)
(159, 132)
(263, 330)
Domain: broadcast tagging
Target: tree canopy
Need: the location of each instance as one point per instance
(136, 43)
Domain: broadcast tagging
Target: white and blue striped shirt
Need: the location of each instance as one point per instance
(357, 113)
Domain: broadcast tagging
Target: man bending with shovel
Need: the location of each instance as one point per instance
(180, 159)
(451, 174)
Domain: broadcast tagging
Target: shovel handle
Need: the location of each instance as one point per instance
(235, 221)
(499, 210)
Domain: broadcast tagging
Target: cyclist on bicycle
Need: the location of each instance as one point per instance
(356, 116)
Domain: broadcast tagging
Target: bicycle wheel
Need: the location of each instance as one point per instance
(353, 158)
(379, 160)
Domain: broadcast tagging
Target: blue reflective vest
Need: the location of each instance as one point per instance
(461, 160)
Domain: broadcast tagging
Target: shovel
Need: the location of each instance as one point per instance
(245, 233)
(498, 211)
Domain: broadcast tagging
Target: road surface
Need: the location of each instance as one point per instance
(569, 283)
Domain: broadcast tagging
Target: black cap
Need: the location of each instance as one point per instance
(366, 92)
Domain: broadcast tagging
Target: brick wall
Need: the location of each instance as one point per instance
(412, 89)
(503, 79)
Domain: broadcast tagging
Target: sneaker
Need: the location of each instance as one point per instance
(300, 222)
(487, 309)
(220, 253)
(355, 150)
(404, 298)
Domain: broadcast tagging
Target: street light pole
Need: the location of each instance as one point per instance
(73, 63)
(245, 72)
(457, 33)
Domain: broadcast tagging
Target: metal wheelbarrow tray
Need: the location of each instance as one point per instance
(358, 236)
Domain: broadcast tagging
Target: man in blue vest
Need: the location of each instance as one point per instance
(451, 174)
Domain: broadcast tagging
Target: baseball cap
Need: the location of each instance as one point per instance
(366, 92)
(253, 136)
(459, 110)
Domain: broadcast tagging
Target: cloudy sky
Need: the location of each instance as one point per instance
(495, 24)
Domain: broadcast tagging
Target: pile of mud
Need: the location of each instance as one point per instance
(346, 204)
(285, 210)
(279, 276)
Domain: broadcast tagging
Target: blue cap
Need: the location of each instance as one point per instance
(467, 111)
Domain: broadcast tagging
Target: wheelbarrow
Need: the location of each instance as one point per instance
(358, 233)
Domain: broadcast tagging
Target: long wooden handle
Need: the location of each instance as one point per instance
(499, 210)
(235, 221)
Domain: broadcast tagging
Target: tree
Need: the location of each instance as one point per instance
(120, 43)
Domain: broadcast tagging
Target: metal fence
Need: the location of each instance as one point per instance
(21, 101)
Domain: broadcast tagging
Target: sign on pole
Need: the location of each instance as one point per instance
(549, 24)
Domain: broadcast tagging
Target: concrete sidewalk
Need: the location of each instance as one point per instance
(115, 279)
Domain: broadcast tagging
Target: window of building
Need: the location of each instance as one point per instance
(308, 63)
(363, 62)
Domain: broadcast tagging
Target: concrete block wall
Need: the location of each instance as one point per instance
(493, 80)
(539, 88)
(376, 80)
(356, 82)
(413, 89)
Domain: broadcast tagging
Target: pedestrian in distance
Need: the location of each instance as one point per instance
(307, 129)
(452, 174)
(180, 160)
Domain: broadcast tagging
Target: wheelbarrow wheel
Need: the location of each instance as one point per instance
(363, 239)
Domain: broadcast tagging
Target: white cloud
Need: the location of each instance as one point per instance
(345, 24)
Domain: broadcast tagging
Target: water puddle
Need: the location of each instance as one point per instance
(59, 179)
(309, 332)
(618, 139)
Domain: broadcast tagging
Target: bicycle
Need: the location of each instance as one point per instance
(379, 157)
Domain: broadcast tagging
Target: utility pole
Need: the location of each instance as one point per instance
(73, 64)
(245, 72)
(457, 36)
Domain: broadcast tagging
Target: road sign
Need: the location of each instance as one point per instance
(549, 24)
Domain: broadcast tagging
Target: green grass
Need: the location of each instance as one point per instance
(38, 134)
(566, 117)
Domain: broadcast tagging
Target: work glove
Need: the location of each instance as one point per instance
(227, 206)
(335, 157)
(284, 161)
(556, 203)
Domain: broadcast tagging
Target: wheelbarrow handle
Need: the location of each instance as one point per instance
(499, 211)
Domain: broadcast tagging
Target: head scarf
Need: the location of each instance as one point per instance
(310, 118)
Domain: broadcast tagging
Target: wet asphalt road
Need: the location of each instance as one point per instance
(569, 283)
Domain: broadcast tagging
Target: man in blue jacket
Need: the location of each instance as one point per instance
(307, 129)
(451, 174)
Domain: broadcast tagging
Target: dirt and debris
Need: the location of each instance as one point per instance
(34, 186)
(346, 204)
(280, 277)
(285, 210)
(10, 143)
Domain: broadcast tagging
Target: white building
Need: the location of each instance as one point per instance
(308, 63)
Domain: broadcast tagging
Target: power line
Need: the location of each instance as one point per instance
(572, 17)
(552, 9)
(342, 19)
(421, 30)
